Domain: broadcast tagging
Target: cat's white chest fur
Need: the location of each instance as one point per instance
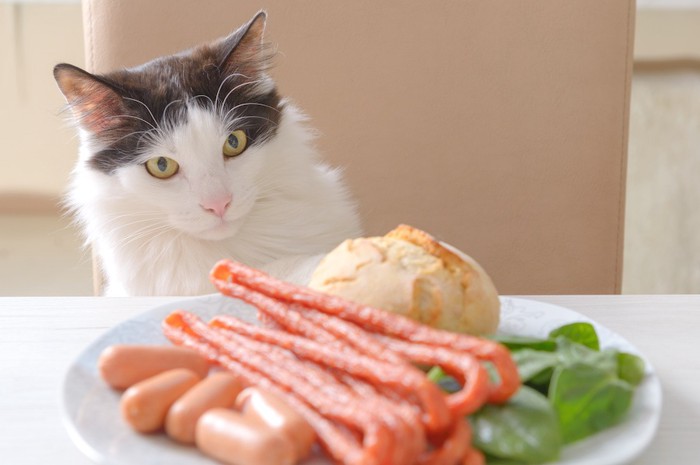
(152, 237)
(187, 273)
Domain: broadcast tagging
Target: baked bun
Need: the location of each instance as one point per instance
(408, 272)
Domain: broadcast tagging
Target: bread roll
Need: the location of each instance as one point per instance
(408, 272)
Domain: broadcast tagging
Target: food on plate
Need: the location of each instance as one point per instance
(572, 389)
(410, 273)
(219, 389)
(345, 374)
(317, 349)
(285, 379)
(277, 301)
(270, 410)
(236, 439)
(145, 404)
(196, 411)
(123, 365)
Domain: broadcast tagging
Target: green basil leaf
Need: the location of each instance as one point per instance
(499, 461)
(630, 368)
(588, 399)
(540, 382)
(436, 373)
(532, 363)
(525, 429)
(514, 343)
(446, 382)
(581, 333)
(570, 353)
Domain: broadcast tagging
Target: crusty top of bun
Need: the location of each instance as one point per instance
(407, 271)
(428, 243)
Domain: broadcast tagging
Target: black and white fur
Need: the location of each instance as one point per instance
(161, 236)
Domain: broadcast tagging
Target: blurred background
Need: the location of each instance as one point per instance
(41, 253)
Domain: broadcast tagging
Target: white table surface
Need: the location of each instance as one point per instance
(39, 338)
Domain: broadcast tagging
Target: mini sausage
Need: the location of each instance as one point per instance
(276, 414)
(145, 405)
(122, 365)
(217, 390)
(235, 439)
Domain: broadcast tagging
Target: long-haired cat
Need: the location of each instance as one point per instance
(195, 157)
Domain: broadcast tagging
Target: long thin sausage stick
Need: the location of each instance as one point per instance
(226, 273)
(340, 445)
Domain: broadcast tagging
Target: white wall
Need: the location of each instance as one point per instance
(37, 150)
(662, 240)
(668, 4)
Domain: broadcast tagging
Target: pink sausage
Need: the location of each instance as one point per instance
(276, 414)
(122, 365)
(145, 405)
(235, 439)
(217, 390)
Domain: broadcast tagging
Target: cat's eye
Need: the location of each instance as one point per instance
(162, 167)
(235, 144)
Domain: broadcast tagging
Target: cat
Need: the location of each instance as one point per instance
(196, 157)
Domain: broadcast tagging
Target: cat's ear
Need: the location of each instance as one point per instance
(244, 51)
(95, 104)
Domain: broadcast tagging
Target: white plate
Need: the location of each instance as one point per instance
(92, 409)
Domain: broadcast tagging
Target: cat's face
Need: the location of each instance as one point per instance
(187, 135)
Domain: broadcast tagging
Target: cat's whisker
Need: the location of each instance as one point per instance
(255, 117)
(147, 134)
(223, 81)
(140, 216)
(134, 235)
(154, 232)
(146, 107)
(225, 117)
(143, 133)
(247, 83)
(231, 121)
(158, 232)
(133, 117)
(165, 250)
(131, 223)
(142, 234)
(221, 86)
(165, 110)
(205, 97)
(256, 104)
(143, 217)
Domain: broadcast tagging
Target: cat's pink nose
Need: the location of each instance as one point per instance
(217, 205)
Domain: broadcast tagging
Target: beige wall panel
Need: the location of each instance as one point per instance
(499, 126)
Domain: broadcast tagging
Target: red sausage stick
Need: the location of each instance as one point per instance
(336, 441)
(452, 450)
(398, 378)
(342, 388)
(465, 368)
(226, 273)
(342, 328)
(331, 391)
(377, 439)
(409, 423)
